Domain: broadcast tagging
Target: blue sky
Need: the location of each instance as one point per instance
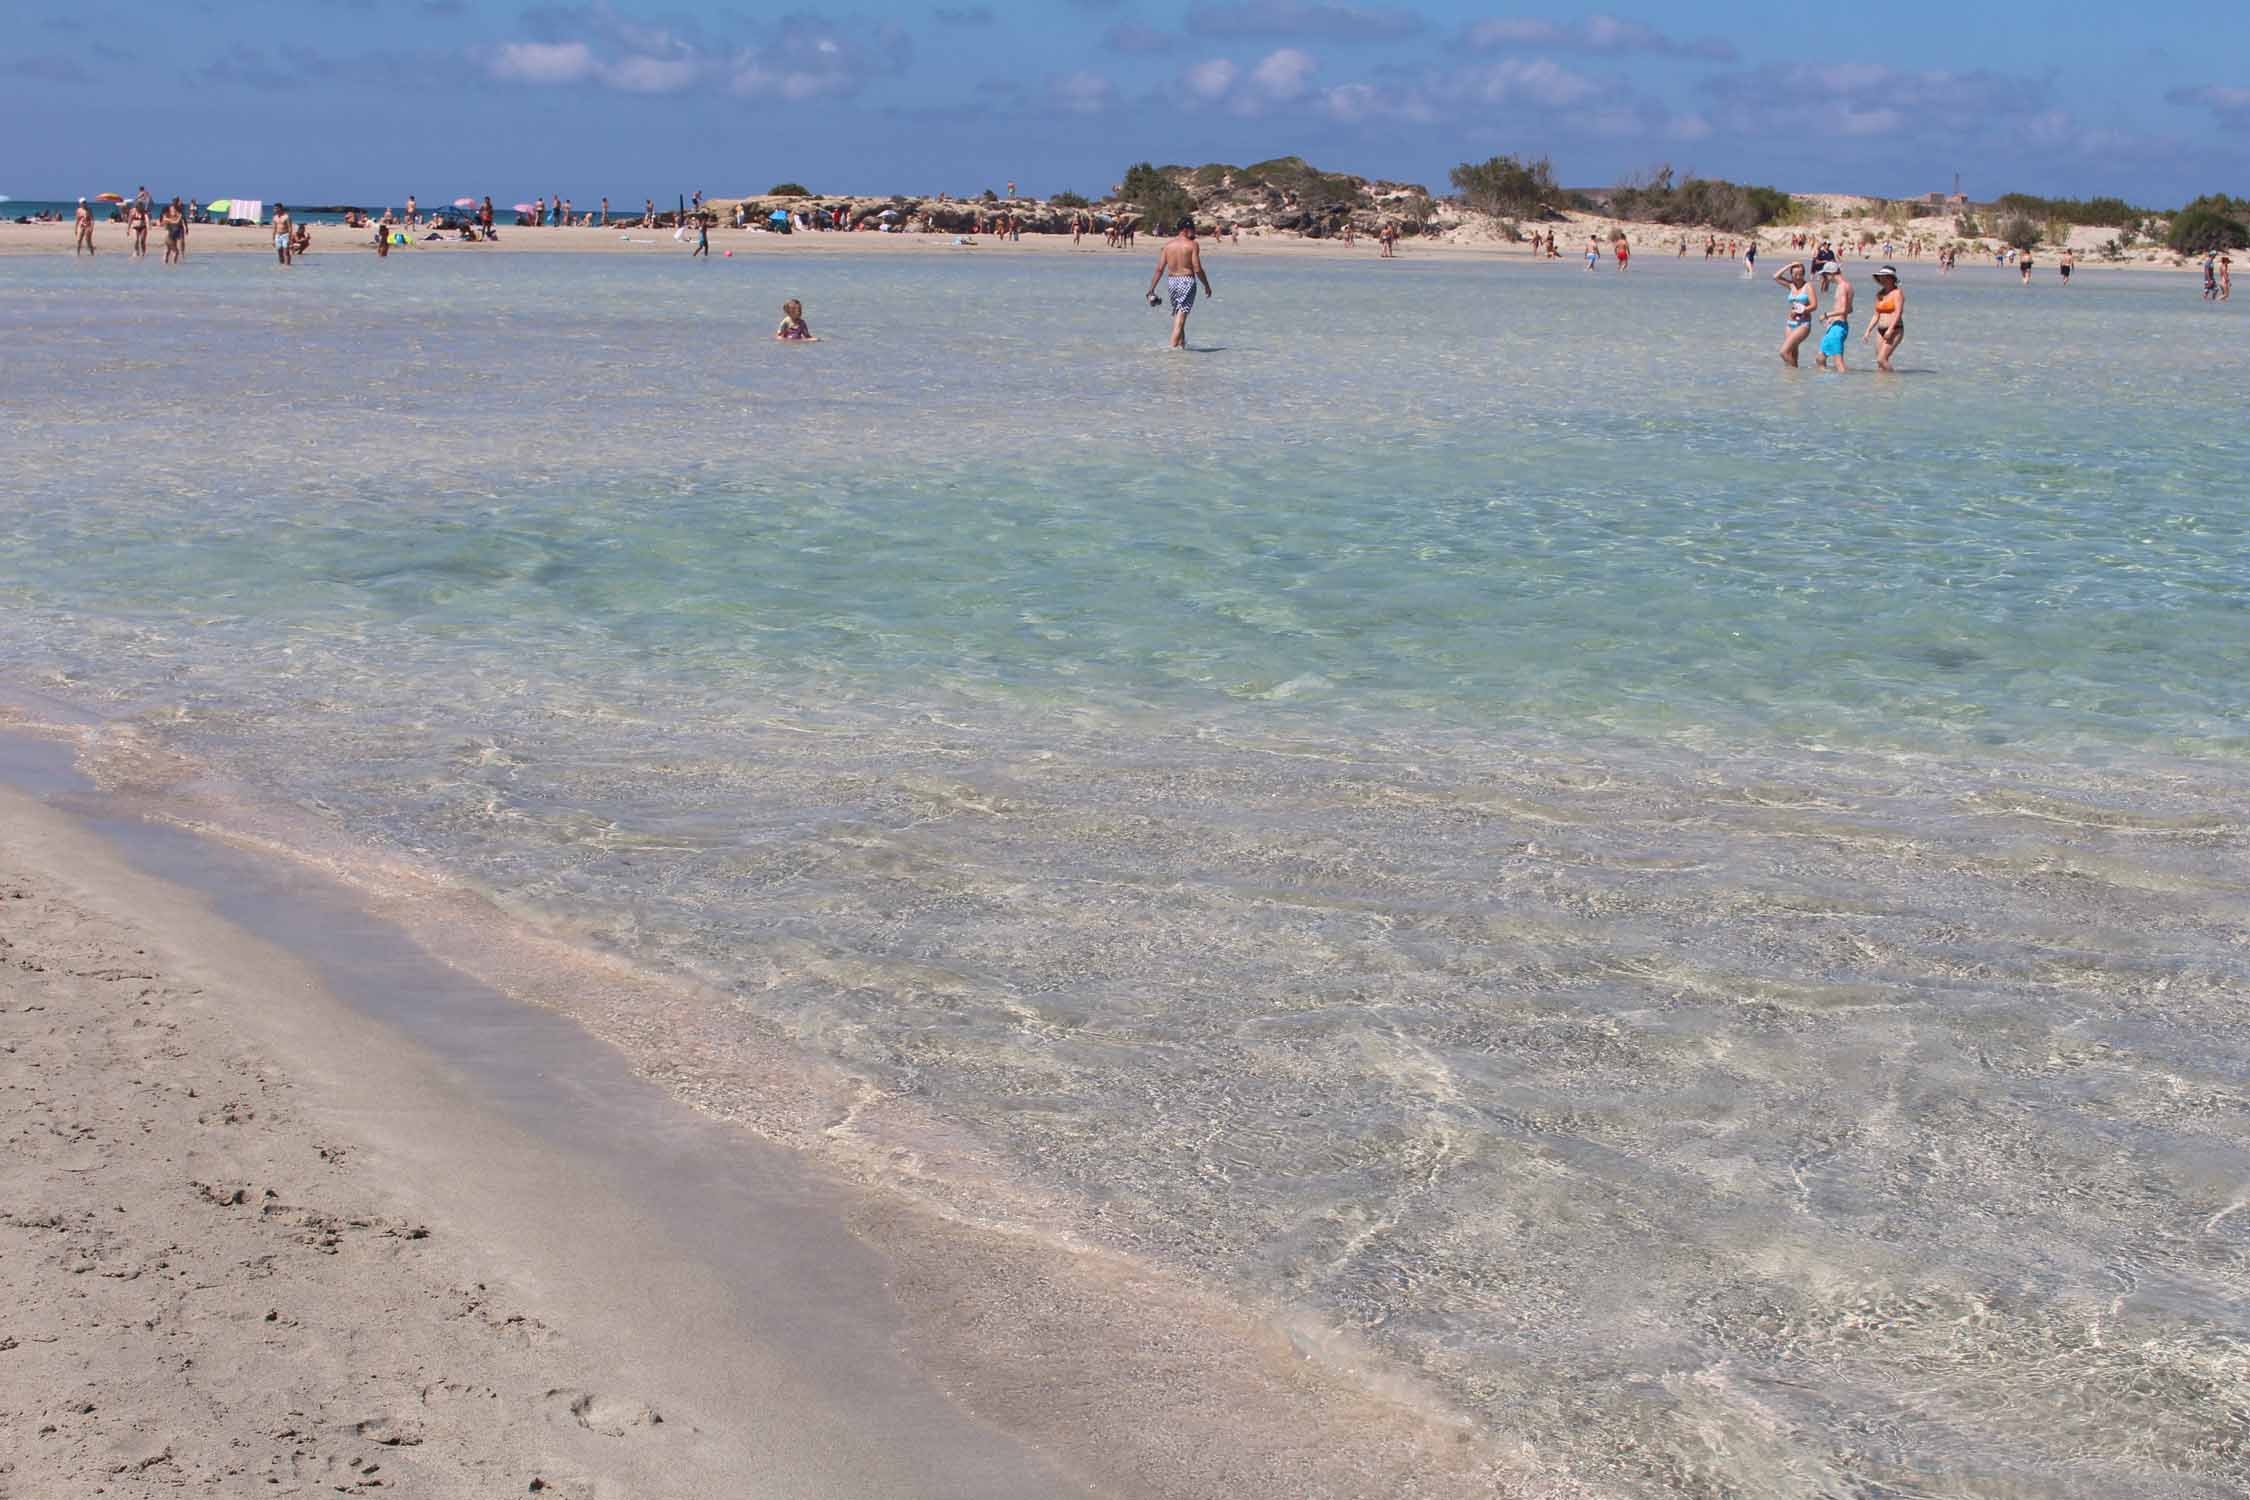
(366, 100)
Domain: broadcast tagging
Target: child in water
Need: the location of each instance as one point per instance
(794, 329)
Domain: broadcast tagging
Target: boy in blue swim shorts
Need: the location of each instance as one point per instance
(1839, 290)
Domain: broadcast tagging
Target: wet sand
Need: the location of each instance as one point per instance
(294, 1205)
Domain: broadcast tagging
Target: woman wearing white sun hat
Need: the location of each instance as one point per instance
(1889, 328)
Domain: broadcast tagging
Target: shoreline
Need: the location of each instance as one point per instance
(551, 1229)
(1459, 247)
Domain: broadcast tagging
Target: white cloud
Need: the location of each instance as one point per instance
(801, 56)
(1597, 33)
(1282, 75)
(2231, 105)
(1082, 93)
(544, 62)
(1211, 80)
(1302, 18)
(1280, 78)
(1538, 81)
(1868, 121)
(654, 75)
(1352, 102)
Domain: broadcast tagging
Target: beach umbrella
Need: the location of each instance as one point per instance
(779, 216)
(464, 203)
(219, 206)
(109, 197)
(525, 208)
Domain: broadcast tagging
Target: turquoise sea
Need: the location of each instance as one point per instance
(1697, 908)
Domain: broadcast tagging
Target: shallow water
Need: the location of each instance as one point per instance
(1697, 906)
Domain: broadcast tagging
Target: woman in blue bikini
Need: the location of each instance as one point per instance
(1799, 327)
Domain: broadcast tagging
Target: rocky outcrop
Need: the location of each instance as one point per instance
(1290, 195)
(1282, 196)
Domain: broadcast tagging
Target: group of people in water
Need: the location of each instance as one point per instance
(1827, 278)
(1808, 285)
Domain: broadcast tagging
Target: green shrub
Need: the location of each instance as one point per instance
(1156, 195)
(1508, 186)
(1069, 200)
(1968, 228)
(789, 190)
(2212, 222)
(2106, 213)
(2021, 230)
(1213, 174)
(1734, 207)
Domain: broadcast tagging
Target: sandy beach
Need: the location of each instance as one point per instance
(1477, 237)
(261, 1241)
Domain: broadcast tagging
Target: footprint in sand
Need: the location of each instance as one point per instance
(600, 1414)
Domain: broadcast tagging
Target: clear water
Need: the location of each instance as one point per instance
(1696, 906)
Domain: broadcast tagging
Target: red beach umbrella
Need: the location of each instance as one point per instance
(525, 208)
(464, 203)
(109, 197)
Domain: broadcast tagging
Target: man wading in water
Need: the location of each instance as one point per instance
(1180, 264)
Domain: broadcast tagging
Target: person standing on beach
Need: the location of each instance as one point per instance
(175, 232)
(1839, 317)
(605, 211)
(2025, 266)
(1180, 264)
(2226, 276)
(1889, 328)
(702, 238)
(2068, 263)
(484, 216)
(1623, 249)
(136, 226)
(83, 231)
(282, 224)
(413, 214)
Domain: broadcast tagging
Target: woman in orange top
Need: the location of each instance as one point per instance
(1889, 327)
